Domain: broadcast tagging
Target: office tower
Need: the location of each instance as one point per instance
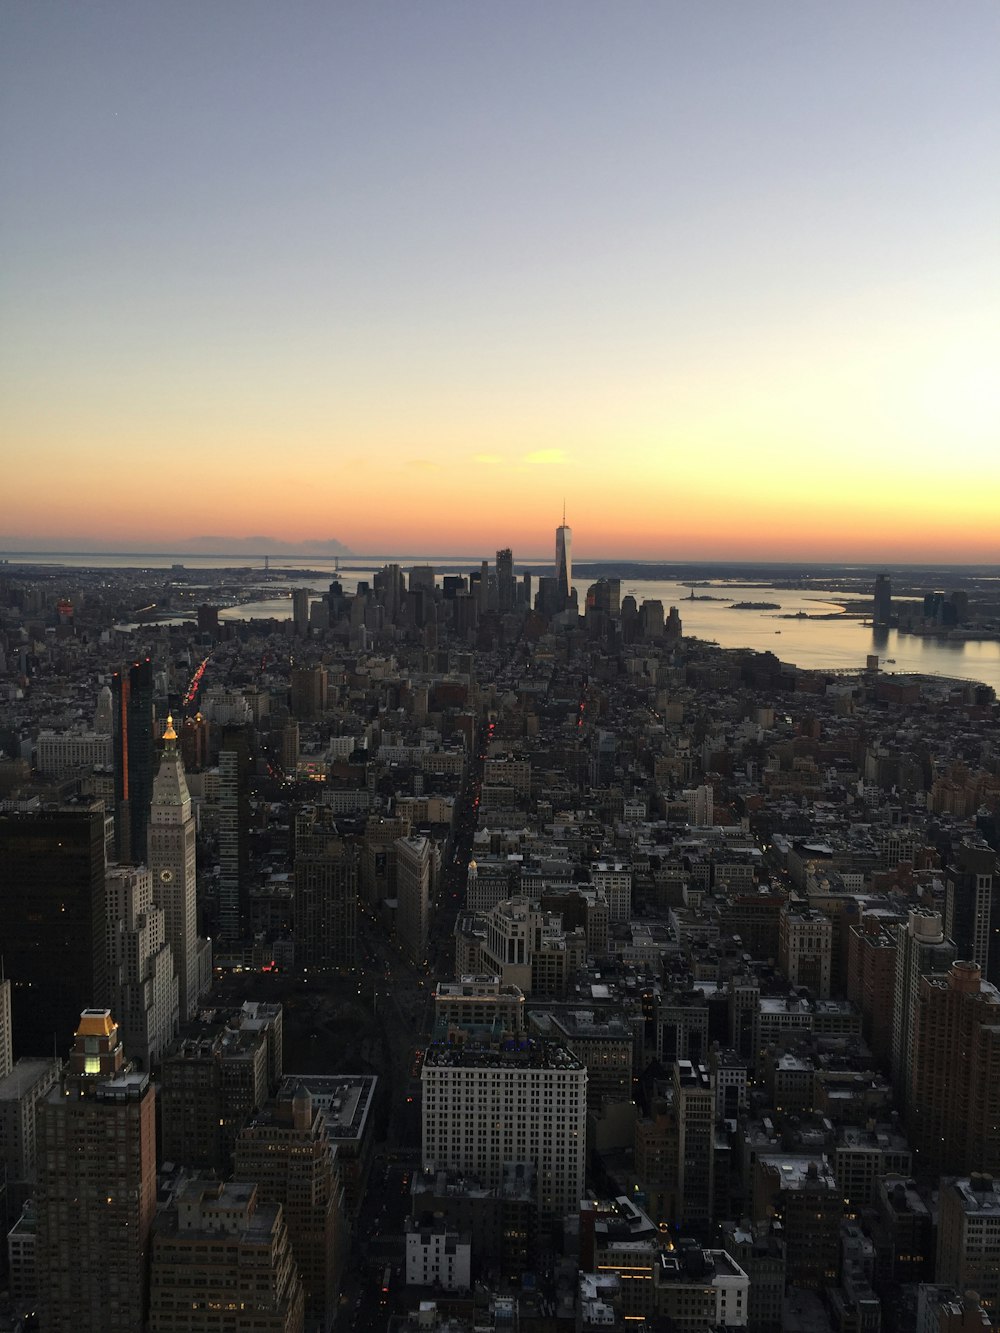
(193, 742)
(142, 984)
(413, 895)
(564, 561)
(104, 712)
(52, 914)
(422, 579)
(96, 1187)
(514, 1101)
(222, 1262)
(805, 948)
(882, 609)
(694, 1106)
(802, 1193)
(326, 893)
(952, 1102)
(651, 622)
(300, 612)
(506, 582)
(968, 1250)
(6, 1033)
(171, 857)
(483, 589)
(921, 949)
(285, 1149)
(378, 857)
(234, 841)
(309, 692)
(21, 1090)
(972, 885)
(214, 1080)
(132, 735)
(389, 587)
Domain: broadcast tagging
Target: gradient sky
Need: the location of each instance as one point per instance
(726, 276)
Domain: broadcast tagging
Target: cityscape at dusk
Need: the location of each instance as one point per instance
(499, 667)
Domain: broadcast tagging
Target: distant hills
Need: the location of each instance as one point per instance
(319, 546)
(257, 545)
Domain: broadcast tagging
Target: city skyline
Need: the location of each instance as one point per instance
(726, 280)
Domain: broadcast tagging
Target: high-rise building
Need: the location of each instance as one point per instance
(132, 736)
(171, 857)
(6, 1032)
(968, 1251)
(952, 1101)
(972, 905)
(564, 560)
(309, 692)
(20, 1092)
(694, 1105)
(52, 910)
(882, 609)
(222, 1261)
(285, 1149)
(234, 841)
(96, 1187)
(921, 949)
(519, 1100)
(300, 612)
(326, 893)
(414, 866)
(142, 983)
(506, 582)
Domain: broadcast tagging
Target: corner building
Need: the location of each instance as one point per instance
(511, 1101)
(96, 1188)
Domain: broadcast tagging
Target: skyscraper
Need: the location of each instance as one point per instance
(142, 983)
(506, 582)
(300, 611)
(921, 949)
(52, 910)
(132, 735)
(882, 610)
(285, 1149)
(326, 893)
(952, 1104)
(171, 857)
(6, 1041)
(234, 845)
(96, 1187)
(564, 559)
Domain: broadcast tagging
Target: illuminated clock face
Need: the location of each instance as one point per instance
(166, 876)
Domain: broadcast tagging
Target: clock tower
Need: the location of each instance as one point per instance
(171, 845)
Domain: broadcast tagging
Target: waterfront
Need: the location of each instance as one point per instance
(843, 643)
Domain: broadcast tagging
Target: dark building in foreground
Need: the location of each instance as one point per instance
(132, 737)
(52, 908)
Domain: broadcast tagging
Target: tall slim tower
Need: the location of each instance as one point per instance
(171, 857)
(132, 734)
(882, 607)
(96, 1187)
(506, 583)
(564, 559)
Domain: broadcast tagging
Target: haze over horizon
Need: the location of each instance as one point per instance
(725, 279)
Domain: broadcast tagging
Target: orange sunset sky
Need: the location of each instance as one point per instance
(724, 279)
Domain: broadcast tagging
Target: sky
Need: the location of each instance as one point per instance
(722, 277)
